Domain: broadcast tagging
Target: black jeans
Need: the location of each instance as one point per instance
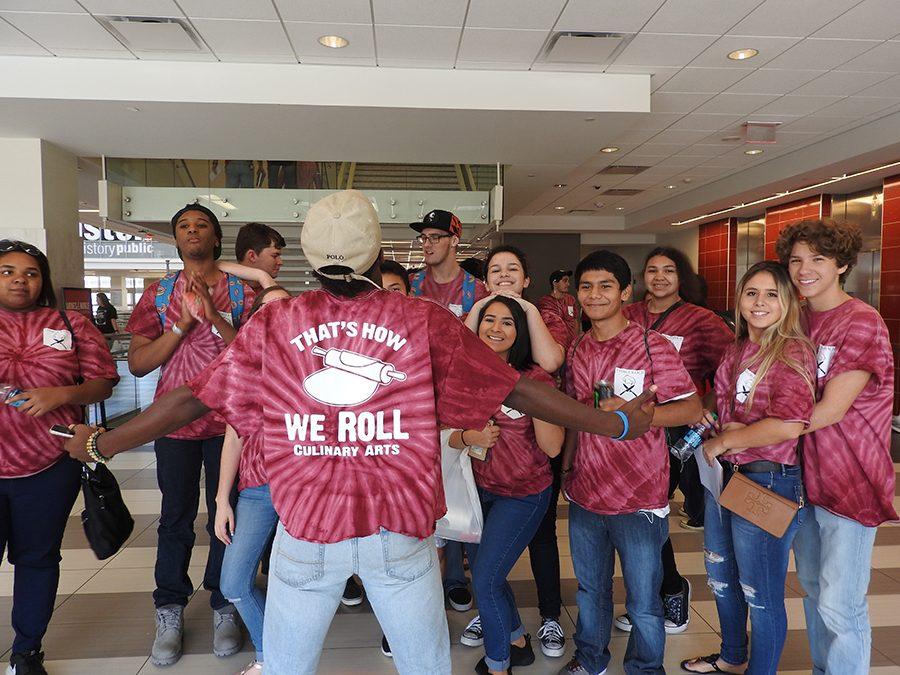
(34, 511)
(178, 464)
(544, 552)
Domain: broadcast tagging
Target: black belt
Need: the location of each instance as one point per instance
(761, 466)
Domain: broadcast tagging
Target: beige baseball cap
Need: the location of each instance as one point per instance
(342, 229)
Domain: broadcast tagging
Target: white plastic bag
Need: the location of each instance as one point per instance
(463, 520)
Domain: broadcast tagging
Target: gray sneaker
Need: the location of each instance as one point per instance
(169, 632)
(227, 636)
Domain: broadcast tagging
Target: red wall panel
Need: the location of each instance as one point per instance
(889, 301)
(717, 253)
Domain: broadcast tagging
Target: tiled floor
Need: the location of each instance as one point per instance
(104, 617)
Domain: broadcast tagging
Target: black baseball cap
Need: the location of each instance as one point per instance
(440, 220)
(556, 275)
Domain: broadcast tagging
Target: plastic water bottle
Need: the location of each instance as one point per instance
(692, 439)
(7, 391)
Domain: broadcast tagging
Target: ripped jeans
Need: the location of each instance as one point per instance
(746, 569)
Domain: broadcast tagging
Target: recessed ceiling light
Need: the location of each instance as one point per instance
(741, 54)
(133, 108)
(333, 41)
(620, 208)
(560, 208)
(755, 151)
(670, 187)
(610, 148)
(560, 185)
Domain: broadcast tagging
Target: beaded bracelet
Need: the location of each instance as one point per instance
(92, 450)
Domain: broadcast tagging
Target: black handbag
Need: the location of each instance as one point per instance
(105, 518)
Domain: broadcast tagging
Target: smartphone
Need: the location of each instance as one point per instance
(61, 430)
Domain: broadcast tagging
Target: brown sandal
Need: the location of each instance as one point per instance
(709, 660)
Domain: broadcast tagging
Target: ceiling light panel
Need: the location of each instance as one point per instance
(607, 15)
(158, 35)
(581, 48)
(305, 39)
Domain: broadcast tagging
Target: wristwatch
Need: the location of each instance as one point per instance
(177, 330)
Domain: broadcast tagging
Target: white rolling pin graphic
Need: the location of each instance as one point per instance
(348, 378)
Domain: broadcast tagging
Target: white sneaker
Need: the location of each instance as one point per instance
(473, 635)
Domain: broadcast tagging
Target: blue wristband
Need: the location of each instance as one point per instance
(624, 419)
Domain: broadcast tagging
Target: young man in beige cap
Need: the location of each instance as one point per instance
(353, 383)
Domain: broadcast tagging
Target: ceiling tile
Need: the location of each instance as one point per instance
(93, 53)
(857, 107)
(771, 81)
(888, 87)
(229, 9)
(816, 54)
(712, 80)
(699, 16)
(513, 13)
(486, 44)
(607, 15)
(420, 12)
(816, 124)
(634, 137)
(657, 49)
(705, 150)
(870, 19)
(161, 8)
(883, 58)
(842, 82)
(677, 102)
(679, 136)
(64, 31)
(437, 45)
(798, 105)
(325, 11)
(705, 122)
(716, 56)
(14, 43)
(244, 38)
(797, 18)
(735, 104)
(656, 121)
(70, 6)
(305, 39)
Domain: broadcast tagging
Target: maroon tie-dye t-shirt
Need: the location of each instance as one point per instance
(699, 336)
(782, 394)
(615, 477)
(516, 466)
(449, 295)
(348, 394)
(559, 317)
(847, 466)
(194, 352)
(37, 350)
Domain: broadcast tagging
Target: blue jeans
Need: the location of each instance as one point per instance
(255, 520)
(454, 571)
(509, 524)
(638, 539)
(403, 583)
(33, 514)
(834, 561)
(746, 567)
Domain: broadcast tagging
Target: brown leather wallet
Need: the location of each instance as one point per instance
(751, 501)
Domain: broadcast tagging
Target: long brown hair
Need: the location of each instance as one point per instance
(773, 345)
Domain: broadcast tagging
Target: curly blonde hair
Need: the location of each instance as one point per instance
(832, 238)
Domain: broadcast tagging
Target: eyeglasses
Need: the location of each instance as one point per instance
(7, 245)
(432, 238)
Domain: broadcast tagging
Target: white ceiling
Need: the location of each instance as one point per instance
(824, 67)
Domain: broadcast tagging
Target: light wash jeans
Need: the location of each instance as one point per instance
(403, 583)
(834, 560)
(255, 520)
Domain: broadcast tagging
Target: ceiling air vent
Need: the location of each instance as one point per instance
(621, 170)
(151, 34)
(623, 192)
(596, 49)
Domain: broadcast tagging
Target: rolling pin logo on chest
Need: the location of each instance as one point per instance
(348, 378)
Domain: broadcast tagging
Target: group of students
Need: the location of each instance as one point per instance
(335, 399)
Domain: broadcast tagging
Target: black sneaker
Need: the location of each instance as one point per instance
(553, 641)
(460, 599)
(385, 647)
(677, 609)
(353, 593)
(521, 656)
(482, 669)
(31, 663)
